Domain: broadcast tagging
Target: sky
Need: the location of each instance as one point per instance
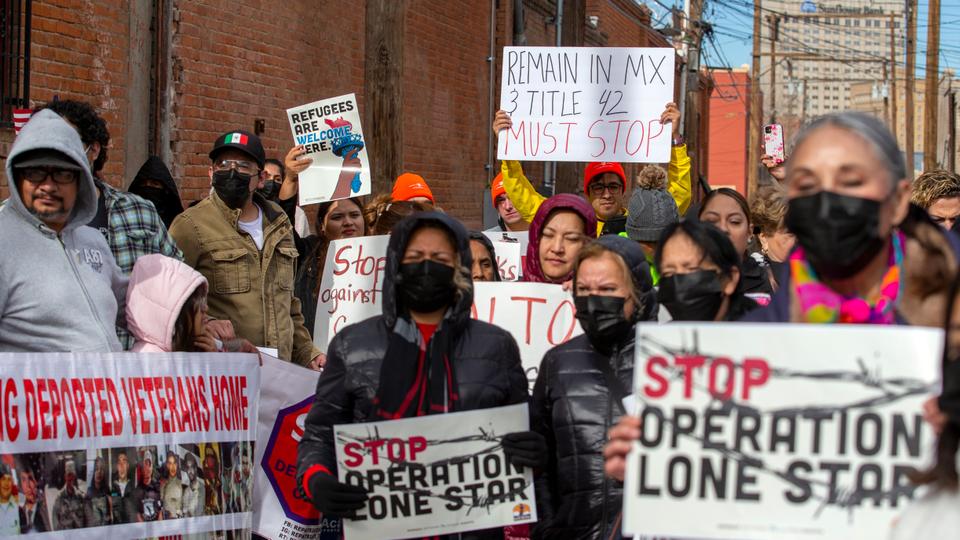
(733, 26)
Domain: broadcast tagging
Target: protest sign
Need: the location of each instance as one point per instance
(538, 315)
(329, 130)
(511, 250)
(286, 396)
(777, 431)
(586, 103)
(145, 444)
(435, 475)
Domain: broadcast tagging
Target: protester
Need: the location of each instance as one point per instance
(63, 289)
(938, 192)
(934, 514)
(412, 187)
(336, 220)
(650, 211)
(286, 176)
(374, 367)
(243, 244)
(560, 228)
(768, 210)
(9, 511)
(508, 217)
(580, 388)
(167, 309)
(484, 258)
(131, 226)
(701, 279)
(154, 183)
(383, 213)
(604, 183)
(849, 207)
(729, 211)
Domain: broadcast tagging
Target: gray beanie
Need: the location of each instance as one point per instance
(651, 208)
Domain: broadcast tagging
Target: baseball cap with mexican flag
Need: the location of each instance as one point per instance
(241, 140)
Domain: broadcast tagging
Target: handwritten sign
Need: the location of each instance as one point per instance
(435, 475)
(511, 249)
(538, 315)
(586, 103)
(329, 130)
(778, 431)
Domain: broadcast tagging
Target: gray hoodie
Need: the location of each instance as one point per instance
(57, 292)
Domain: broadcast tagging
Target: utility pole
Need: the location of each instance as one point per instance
(774, 36)
(893, 77)
(886, 99)
(911, 73)
(932, 89)
(756, 114)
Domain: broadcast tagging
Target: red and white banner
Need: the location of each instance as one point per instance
(147, 444)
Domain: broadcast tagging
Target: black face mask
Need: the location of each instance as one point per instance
(270, 190)
(602, 319)
(426, 286)
(692, 297)
(232, 187)
(839, 234)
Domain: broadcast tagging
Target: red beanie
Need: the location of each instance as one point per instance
(599, 167)
(409, 185)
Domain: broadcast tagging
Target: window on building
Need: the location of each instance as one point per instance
(14, 58)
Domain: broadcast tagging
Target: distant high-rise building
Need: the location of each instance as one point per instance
(822, 51)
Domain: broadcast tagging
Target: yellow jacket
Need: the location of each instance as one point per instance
(527, 200)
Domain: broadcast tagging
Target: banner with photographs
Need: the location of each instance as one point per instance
(146, 444)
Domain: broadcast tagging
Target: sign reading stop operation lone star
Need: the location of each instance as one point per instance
(586, 103)
(794, 432)
(435, 475)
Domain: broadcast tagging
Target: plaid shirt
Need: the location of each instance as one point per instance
(134, 228)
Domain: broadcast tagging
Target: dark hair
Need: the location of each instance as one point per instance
(183, 336)
(91, 127)
(278, 163)
(718, 249)
(383, 213)
(944, 472)
(318, 255)
(733, 194)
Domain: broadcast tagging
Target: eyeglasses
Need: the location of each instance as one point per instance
(597, 188)
(245, 167)
(38, 175)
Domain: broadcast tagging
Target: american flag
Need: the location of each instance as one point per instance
(20, 117)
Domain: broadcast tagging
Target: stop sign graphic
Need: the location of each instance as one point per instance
(280, 462)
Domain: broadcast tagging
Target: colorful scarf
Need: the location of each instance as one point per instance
(821, 304)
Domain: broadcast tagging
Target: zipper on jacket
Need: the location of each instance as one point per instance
(86, 294)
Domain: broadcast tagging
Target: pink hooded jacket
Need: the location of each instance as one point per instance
(159, 287)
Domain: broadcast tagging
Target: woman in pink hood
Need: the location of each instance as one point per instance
(167, 308)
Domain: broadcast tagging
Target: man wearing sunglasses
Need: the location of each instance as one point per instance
(60, 287)
(243, 244)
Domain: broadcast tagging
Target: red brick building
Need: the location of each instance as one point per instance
(729, 129)
(169, 75)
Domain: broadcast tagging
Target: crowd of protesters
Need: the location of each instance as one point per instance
(838, 236)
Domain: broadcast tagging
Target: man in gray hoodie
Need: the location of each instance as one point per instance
(60, 287)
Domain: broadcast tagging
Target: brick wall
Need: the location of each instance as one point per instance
(233, 62)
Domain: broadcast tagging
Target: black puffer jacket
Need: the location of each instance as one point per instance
(577, 398)
(486, 360)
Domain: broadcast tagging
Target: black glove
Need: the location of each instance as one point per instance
(525, 449)
(334, 498)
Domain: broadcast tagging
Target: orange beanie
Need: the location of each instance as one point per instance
(410, 185)
(497, 189)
